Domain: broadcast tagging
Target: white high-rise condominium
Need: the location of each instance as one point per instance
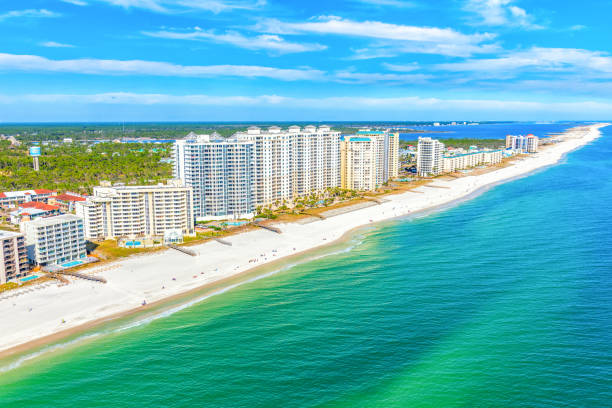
(54, 240)
(522, 144)
(292, 163)
(369, 159)
(137, 211)
(220, 172)
(429, 157)
(358, 163)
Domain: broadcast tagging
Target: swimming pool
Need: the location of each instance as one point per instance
(29, 278)
(235, 223)
(132, 243)
(72, 263)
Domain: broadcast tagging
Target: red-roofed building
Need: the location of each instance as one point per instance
(39, 205)
(32, 210)
(44, 191)
(11, 199)
(66, 201)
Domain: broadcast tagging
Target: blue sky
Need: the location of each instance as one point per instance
(250, 60)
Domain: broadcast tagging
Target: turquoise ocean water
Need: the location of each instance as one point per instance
(502, 301)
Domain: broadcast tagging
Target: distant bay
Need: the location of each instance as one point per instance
(489, 130)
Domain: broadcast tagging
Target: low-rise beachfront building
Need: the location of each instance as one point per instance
(220, 172)
(32, 210)
(137, 211)
(67, 201)
(294, 162)
(473, 159)
(522, 144)
(11, 199)
(54, 240)
(13, 256)
(368, 159)
(430, 157)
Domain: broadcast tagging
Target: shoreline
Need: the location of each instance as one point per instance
(132, 279)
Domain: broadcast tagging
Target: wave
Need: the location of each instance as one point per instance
(355, 242)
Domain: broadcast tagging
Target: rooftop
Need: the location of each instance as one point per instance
(370, 132)
(9, 234)
(471, 153)
(23, 193)
(175, 183)
(355, 139)
(39, 206)
(69, 197)
(28, 211)
(58, 219)
(215, 138)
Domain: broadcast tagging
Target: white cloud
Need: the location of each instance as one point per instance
(90, 66)
(413, 66)
(390, 3)
(373, 29)
(174, 6)
(503, 109)
(501, 12)
(75, 2)
(362, 77)
(151, 99)
(578, 27)
(538, 59)
(53, 44)
(261, 42)
(29, 13)
(34, 63)
(398, 38)
(373, 52)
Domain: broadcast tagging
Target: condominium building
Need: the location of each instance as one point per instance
(293, 162)
(137, 211)
(220, 172)
(368, 159)
(13, 256)
(54, 240)
(522, 144)
(386, 146)
(429, 157)
(473, 159)
(358, 163)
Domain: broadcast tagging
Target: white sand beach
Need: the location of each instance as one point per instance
(154, 277)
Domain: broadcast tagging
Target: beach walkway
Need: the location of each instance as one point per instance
(222, 241)
(269, 228)
(184, 250)
(82, 276)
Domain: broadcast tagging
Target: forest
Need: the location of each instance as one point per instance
(28, 132)
(78, 168)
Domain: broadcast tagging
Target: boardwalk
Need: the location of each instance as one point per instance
(269, 228)
(82, 276)
(223, 241)
(184, 250)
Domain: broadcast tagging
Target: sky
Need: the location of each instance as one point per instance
(304, 60)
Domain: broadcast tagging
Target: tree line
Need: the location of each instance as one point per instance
(78, 168)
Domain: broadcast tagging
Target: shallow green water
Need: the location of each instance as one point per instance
(505, 300)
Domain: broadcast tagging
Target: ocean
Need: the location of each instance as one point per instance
(490, 130)
(504, 300)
